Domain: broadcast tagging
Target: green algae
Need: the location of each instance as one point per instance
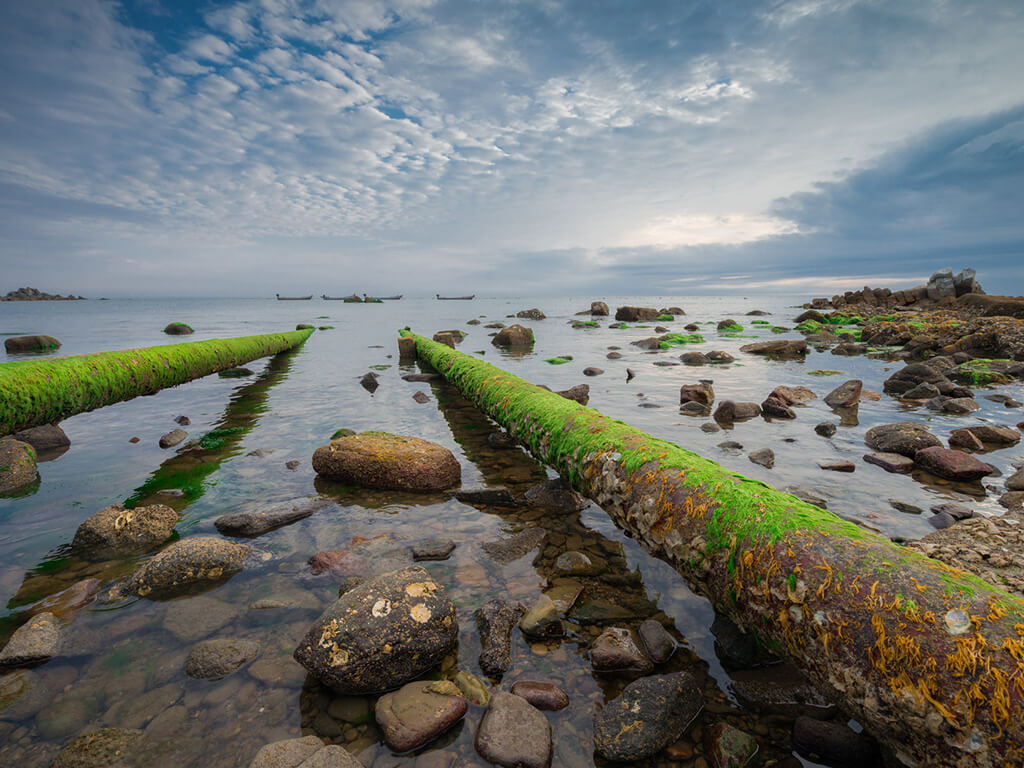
(731, 327)
(809, 326)
(670, 340)
(560, 360)
(981, 371)
(759, 322)
(665, 318)
(35, 392)
(180, 329)
(585, 324)
(855, 334)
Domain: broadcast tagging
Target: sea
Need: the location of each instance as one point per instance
(122, 662)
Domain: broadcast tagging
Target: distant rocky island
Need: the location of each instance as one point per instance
(34, 294)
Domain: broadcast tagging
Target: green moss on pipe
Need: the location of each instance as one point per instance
(35, 392)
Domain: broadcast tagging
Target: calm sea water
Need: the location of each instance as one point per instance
(123, 666)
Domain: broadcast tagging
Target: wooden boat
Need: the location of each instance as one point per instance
(333, 298)
(455, 298)
(293, 298)
(391, 298)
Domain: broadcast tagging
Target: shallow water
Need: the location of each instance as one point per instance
(124, 661)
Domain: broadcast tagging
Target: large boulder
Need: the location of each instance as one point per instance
(651, 713)
(514, 336)
(903, 437)
(34, 642)
(964, 282)
(514, 734)
(951, 464)
(381, 634)
(115, 530)
(36, 343)
(598, 308)
(192, 562)
(391, 462)
(48, 440)
(419, 711)
(636, 314)
(777, 348)
(17, 466)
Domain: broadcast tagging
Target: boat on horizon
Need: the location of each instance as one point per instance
(293, 298)
(391, 298)
(455, 298)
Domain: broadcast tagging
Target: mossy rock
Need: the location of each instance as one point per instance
(235, 373)
(983, 371)
(343, 432)
(325, 328)
(18, 469)
(560, 360)
(178, 329)
(36, 343)
(303, 327)
(387, 461)
(679, 339)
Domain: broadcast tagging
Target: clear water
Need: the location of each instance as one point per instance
(123, 666)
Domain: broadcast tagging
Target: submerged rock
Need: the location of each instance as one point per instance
(845, 395)
(34, 642)
(193, 561)
(391, 462)
(729, 747)
(514, 734)
(217, 658)
(891, 462)
(435, 549)
(419, 711)
(555, 494)
(115, 530)
(542, 620)
(381, 634)
(17, 466)
(251, 524)
(763, 456)
(307, 752)
(495, 621)
(833, 743)
(98, 749)
(651, 713)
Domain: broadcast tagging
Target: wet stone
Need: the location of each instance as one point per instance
(891, 462)
(511, 548)
(115, 530)
(196, 560)
(905, 438)
(616, 650)
(435, 549)
(17, 465)
(780, 689)
(729, 747)
(544, 696)
(951, 464)
(194, 618)
(842, 465)
(172, 438)
(257, 523)
(497, 497)
(420, 397)
(658, 643)
(574, 562)
(763, 456)
(825, 429)
(555, 494)
(291, 753)
(472, 687)
(381, 634)
(902, 506)
(217, 658)
(514, 734)
(736, 648)
(845, 395)
(98, 749)
(777, 409)
(390, 462)
(34, 642)
(542, 620)
(650, 714)
(418, 712)
(495, 621)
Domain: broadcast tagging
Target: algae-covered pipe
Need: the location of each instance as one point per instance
(928, 658)
(34, 392)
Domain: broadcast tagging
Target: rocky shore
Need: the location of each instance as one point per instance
(33, 294)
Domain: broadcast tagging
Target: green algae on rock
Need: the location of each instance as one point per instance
(862, 618)
(34, 392)
(178, 329)
(17, 466)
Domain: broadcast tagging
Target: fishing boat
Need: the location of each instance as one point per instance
(333, 298)
(391, 298)
(455, 298)
(293, 298)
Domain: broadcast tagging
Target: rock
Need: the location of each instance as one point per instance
(729, 747)
(420, 397)
(964, 440)
(777, 348)
(728, 325)
(833, 743)
(614, 356)
(658, 643)
(531, 314)
(307, 752)
(650, 714)
(591, 371)
(956, 405)
(720, 356)
(555, 494)
(542, 620)
(825, 429)
(514, 734)
(580, 393)
(513, 336)
(951, 464)
(777, 409)
(1012, 500)
(193, 561)
(416, 378)
(1015, 482)
(417, 712)
(701, 392)
(508, 549)
(694, 408)
(735, 647)
(964, 282)
(636, 314)
(793, 395)
(178, 329)
(923, 391)
(845, 395)
(98, 749)
(435, 549)
(193, 619)
(387, 461)
(598, 308)
(488, 497)
(249, 524)
(369, 382)
(941, 285)
(616, 650)
(763, 456)
(217, 658)
(47, 440)
(17, 466)
(695, 358)
(630, 374)
(729, 411)
(115, 531)
(902, 506)
(34, 642)
(495, 621)
(985, 434)
(710, 428)
(914, 374)
(544, 696)
(904, 437)
(891, 462)
(842, 465)
(381, 634)
(235, 373)
(779, 689)
(36, 343)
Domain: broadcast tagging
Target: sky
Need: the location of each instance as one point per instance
(509, 147)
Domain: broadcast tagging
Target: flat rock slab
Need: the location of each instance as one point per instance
(196, 560)
(495, 620)
(115, 530)
(510, 549)
(650, 714)
(891, 462)
(34, 642)
(381, 634)
(418, 712)
(390, 462)
(249, 524)
(307, 752)
(951, 464)
(989, 435)
(841, 465)
(218, 658)
(514, 734)
(777, 348)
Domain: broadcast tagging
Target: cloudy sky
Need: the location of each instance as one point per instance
(151, 147)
